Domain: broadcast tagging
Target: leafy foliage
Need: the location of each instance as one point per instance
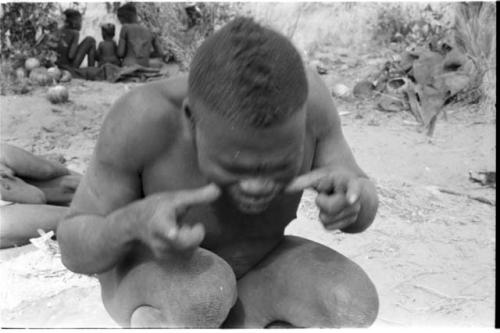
(23, 27)
(397, 24)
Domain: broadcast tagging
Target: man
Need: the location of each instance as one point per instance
(136, 41)
(193, 181)
(70, 53)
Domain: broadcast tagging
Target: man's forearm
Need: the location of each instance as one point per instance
(368, 210)
(92, 244)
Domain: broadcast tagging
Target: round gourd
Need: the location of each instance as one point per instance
(40, 76)
(58, 94)
(65, 76)
(340, 90)
(31, 63)
(55, 73)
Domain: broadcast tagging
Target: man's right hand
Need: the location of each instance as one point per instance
(162, 233)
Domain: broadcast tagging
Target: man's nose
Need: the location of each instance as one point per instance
(257, 186)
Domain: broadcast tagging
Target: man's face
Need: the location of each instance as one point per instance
(77, 23)
(252, 166)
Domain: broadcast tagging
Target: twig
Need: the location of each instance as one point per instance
(390, 322)
(472, 197)
(441, 295)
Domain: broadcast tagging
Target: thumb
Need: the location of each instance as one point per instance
(185, 198)
(353, 191)
(310, 179)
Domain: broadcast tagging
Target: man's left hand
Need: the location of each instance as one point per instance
(338, 197)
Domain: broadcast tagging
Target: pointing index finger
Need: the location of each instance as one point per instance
(202, 195)
(310, 179)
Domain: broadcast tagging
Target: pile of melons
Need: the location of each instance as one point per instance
(41, 76)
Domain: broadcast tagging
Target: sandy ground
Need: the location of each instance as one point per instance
(430, 254)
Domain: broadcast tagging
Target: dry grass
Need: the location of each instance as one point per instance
(310, 25)
(475, 35)
(334, 24)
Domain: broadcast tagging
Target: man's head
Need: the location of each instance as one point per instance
(73, 19)
(246, 99)
(127, 13)
(108, 31)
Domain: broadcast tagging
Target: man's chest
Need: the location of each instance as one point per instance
(241, 239)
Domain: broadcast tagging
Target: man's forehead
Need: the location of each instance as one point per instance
(230, 136)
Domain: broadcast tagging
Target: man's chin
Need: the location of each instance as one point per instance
(252, 208)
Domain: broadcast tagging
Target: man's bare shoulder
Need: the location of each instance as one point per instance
(143, 123)
(322, 115)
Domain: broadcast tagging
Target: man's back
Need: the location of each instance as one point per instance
(135, 45)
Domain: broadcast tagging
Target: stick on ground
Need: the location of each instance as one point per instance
(473, 197)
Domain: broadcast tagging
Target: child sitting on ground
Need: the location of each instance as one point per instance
(107, 49)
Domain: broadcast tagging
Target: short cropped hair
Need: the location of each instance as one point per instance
(249, 74)
(108, 30)
(127, 13)
(71, 15)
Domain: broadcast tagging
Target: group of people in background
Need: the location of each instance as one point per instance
(137, 45)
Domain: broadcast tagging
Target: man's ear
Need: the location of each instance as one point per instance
(188, 112)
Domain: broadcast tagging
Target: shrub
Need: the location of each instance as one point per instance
(179, 37)
(22, 30)
(416, 26)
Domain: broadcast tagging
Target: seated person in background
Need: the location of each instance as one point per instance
(107, 51)
(35, 193)
(70, 54)
(136, 41)
(182, 211)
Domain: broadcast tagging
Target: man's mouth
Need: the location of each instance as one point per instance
(252, 204)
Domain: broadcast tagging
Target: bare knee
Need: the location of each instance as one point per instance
(341, 294)
(214, 297)
(180, 293)
(351, 301)
(89, 41)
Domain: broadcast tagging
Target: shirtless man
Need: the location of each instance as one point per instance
(136, 41)
(70, 53)
(193, 180)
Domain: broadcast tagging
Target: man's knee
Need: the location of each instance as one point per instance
(215, 296)
(343, 295)
(89, 41)
(351, 300)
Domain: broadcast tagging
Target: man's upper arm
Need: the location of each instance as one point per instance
(134, 131)
(110, 181)
(332, 149)
(73, 45)
(122, 42)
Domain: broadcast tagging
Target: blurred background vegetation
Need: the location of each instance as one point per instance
(359, 27)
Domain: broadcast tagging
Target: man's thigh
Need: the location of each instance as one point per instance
(305, 284)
